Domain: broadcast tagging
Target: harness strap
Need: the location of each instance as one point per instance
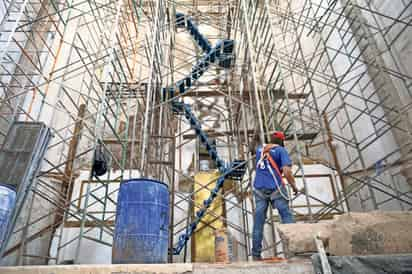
(266, 155)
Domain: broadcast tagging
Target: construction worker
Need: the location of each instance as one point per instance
(271, 161)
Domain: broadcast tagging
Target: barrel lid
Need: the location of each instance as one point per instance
(144, 180)
(9, 186)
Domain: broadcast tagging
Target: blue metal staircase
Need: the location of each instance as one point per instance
(222, 54)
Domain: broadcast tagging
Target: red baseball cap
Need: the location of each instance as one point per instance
(279, 134)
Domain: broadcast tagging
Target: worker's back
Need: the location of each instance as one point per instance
(264, 178)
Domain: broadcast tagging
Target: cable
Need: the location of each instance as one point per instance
(286, 196)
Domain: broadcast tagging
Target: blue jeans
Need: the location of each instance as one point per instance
(278, 202)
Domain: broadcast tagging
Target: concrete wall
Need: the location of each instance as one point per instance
(360, 139)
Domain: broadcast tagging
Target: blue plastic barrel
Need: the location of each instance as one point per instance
(7, 202)
(142, 222)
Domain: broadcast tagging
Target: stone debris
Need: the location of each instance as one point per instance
(374, 232)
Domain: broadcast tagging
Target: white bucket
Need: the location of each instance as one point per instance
(204, 165)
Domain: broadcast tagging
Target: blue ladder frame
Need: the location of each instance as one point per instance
(222, 54)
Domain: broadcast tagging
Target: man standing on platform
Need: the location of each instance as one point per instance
(272, 160)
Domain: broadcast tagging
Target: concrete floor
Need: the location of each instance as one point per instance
(292, 267)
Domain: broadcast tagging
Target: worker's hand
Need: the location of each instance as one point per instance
(295, 190)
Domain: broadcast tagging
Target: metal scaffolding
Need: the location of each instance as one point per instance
(329, 73)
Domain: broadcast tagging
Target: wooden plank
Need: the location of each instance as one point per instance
(301, 136)
(89, 223)
(297, 96)
(116, 141)
(208, 93)
(161, 163)
(68, 180)
(212, 134)
(74, 142)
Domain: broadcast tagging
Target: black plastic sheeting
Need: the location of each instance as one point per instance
(372, 264)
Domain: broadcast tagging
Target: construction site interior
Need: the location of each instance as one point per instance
(178, 92)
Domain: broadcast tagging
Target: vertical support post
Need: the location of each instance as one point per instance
(172, 193)
(253, 69)
(334, 155)
(67, 179)
(98, 130)
(150, 91)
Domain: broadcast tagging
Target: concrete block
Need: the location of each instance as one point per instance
(352, 234)
(298, 238)
(100, 269)
(372, 233)
(301, 266)
(292, 267)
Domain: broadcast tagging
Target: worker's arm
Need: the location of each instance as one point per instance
(286, 166)
(287, 172)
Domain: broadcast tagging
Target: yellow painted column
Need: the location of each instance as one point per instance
(203, 240)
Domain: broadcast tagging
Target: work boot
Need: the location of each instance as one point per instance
(257, 258)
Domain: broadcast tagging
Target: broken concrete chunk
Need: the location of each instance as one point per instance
(298, 238)
(352, 234)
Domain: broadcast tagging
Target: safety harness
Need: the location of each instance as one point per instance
(265, 155)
